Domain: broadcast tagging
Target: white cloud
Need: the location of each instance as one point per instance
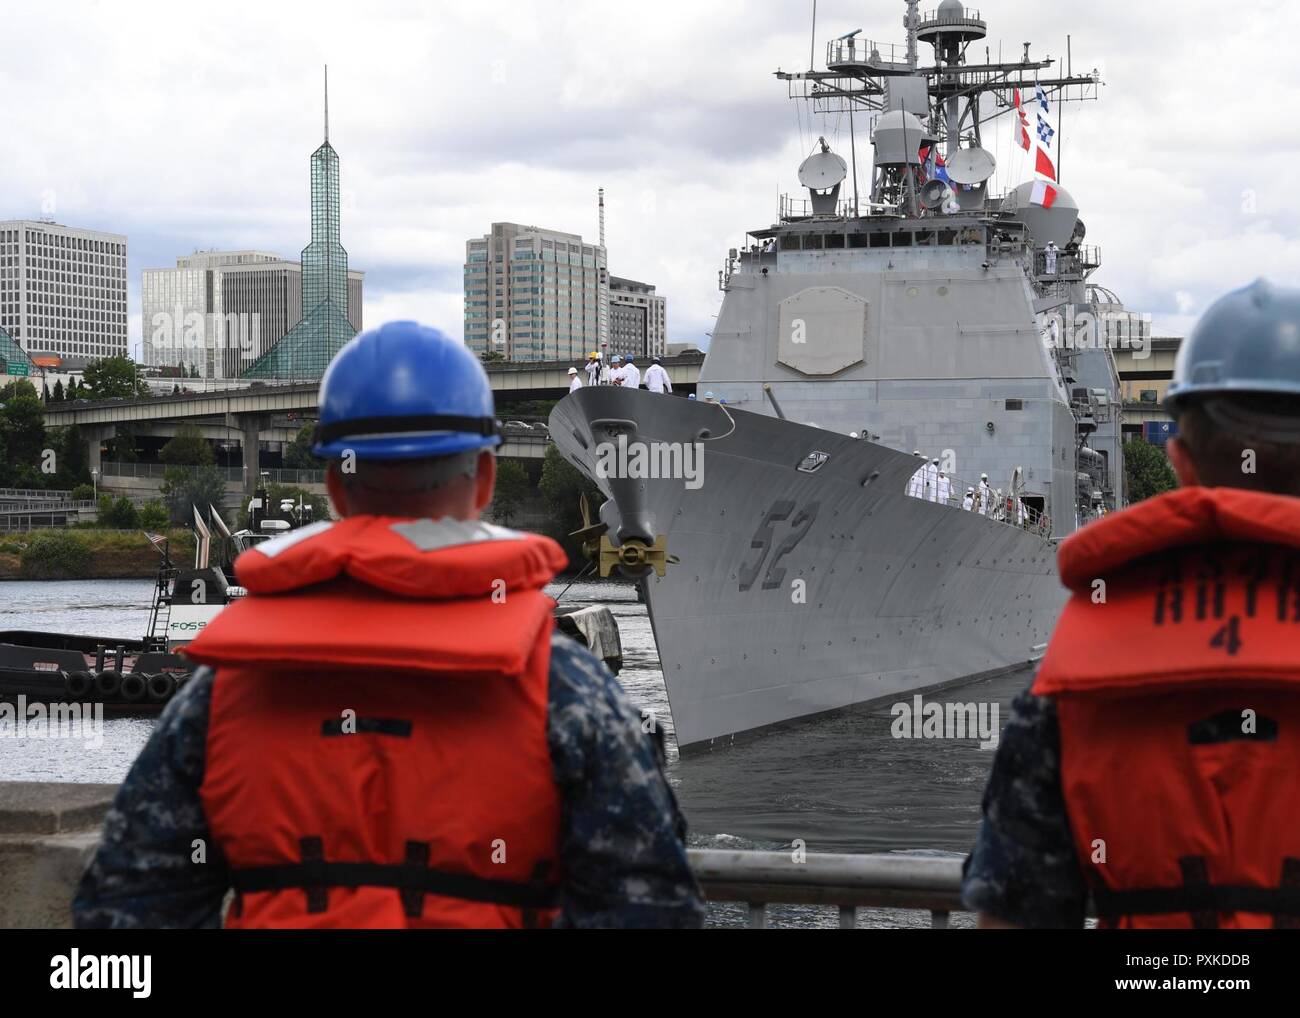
(191, 127)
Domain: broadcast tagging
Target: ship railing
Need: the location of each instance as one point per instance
(866, 53)
(1028, 518)
(802, 208)
(1072, 264)
(963, 17)
(842, 882)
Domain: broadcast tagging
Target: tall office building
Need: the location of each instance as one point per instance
(221, 310)
(637, 319)
(305, 351)
(533, 294)
(63, 290)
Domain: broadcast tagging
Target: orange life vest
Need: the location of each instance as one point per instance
(1176, 673)
(377, 749)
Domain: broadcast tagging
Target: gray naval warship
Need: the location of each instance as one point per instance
(812, 563)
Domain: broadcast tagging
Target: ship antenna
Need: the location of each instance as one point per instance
(327, 104)
(812, 46)
(910, 21)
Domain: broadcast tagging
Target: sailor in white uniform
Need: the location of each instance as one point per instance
(932, 481)
(631, 375)
(985, 496)
(916, 484)
(575, 382)
(945, 489)
(656, 378)
(1049, 258)
(616, 370)
(968, 503)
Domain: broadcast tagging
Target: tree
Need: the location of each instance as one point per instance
(114, 377)
(22, 436)
(153, 515)
(185, 487)
(488, 356)
(117, 514)
(562, 486)
(58, 396)
(187, 448)
(71, 449)
(511, 490)
(73, 391)
(1147, 472)
(298, 455)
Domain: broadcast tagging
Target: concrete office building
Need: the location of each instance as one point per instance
(533, 294)
(637, 319)
(245, 302)
(62, 289)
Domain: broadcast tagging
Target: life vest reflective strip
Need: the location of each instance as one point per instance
(1178, 696)
(410, 782)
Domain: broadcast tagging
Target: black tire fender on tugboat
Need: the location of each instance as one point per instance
(160, 686)
(108, 683)
(78, 685)
(133, 687)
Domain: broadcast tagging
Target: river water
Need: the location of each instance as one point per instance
(841, 784)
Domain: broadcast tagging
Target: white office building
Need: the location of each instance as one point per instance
(62, 289)
(534, 294)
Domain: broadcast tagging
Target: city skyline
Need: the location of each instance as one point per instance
(448, 120)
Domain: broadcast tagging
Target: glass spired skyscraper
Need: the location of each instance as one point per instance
(304, 352)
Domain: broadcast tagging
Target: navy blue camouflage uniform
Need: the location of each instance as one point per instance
(622, 848)
(1024, 869)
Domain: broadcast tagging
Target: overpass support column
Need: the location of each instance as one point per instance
(95, 436)
(251, 427)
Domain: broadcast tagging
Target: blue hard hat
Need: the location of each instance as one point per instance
(1246, 342)
(404, 391)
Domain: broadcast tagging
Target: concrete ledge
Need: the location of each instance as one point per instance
(48, 832)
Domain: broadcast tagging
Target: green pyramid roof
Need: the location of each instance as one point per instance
(304, 352)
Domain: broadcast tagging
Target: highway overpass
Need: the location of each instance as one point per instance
(259, 412)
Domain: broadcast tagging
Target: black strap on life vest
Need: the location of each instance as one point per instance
(414, 878)
(1204, 901)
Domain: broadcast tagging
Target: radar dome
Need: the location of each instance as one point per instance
(951, 8)
(898, 139)
(1053, 225)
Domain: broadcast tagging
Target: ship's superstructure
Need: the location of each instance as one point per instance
(818, 563)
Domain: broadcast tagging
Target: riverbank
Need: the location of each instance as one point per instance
(75, 554)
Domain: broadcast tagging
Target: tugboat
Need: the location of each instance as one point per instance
(140, 676)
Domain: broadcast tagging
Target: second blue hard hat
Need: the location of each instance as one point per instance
(404, 391)
(1246, 342)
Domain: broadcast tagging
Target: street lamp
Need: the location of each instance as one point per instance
(94, 478)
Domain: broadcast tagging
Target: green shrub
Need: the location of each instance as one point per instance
(152, 515)
(55, 555)
(83, 493)
(119, 515)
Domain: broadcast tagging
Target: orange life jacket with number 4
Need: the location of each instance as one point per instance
(377, 749)
(1176, 674)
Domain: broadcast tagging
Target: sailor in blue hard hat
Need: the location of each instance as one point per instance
(1236, 393)
(403, 411)
(429, 628)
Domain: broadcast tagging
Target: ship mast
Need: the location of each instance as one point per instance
(863, 75)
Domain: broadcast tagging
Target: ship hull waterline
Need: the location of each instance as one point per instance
(798, 594)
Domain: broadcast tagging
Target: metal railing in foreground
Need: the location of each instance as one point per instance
(845, 882)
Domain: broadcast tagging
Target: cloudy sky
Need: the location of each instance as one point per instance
(189, 127)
